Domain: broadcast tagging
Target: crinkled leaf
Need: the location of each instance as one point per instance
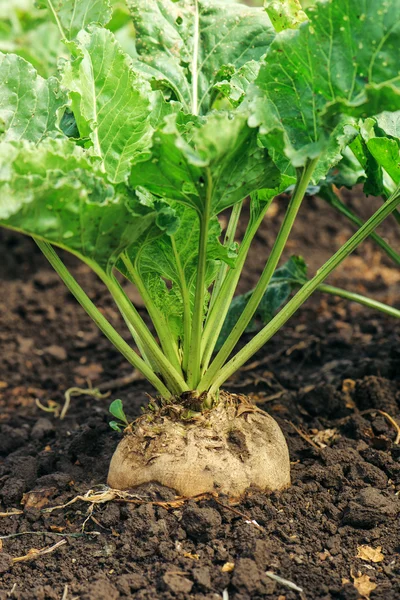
(184, 156)
(386, 152)
(183, 44)
(375, 156)
(233, 83)
(110, 102)
(285, 279)
(29, 104)
(349, 171)
(343, 62)
(166, 263)
(52, 191)
(74, 15)
(381, 144)
(285, 14)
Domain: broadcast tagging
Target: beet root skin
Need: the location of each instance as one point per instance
(229, 449)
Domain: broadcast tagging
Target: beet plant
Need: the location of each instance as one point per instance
(127, 160)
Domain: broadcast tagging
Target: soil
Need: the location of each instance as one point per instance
(326, 378)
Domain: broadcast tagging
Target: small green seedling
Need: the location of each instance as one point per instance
(116, 408)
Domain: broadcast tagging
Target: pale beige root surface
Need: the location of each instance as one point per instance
(227, 450)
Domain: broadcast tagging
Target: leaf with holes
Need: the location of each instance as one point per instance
(182, 45)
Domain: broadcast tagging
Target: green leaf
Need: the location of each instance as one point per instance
(166, 262)
(183, 154)
(388, 124)
(343, 62)
(73, 15)
(233, 83)
(116, 408)
(115, 426)
(23, 32)
(375, 154)
(381, 144)
(285, 14)
(111, 103)
(53, 191)
(29, 104)
(349, 171)
(386, 152)
(285, 279)
(183, 44)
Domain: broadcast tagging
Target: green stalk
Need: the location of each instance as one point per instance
(105, 327)
(174, 380)
(187, 317)
(396, 215)
(329, 196)
(360, 299)
(213, 380)
(274, 257)
(193, 373)
(217, 314)
(158, 320)
(229, 238)
(138, 341)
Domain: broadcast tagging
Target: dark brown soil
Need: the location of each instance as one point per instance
(317, 377)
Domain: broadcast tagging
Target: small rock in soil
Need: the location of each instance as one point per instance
(366, 473)
(12, 491)
(369, 508)
(372, 497)
(201, 523)
(360, 516)
(246, 576)
(41, 429)
(376, 392)
(177, 583)
(202, 577)
(131, 582)
(12, 438)
(100, 590)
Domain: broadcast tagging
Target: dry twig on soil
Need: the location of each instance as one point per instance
(304, 436)
(33, 553)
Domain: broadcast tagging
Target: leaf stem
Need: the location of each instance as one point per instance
(193, 374)
(229, 238)
(217, 314)
(360, 299)
(105, 327)
(57, 20)
(174, 380)
(212, 385)
(187, 318)
(331, 198)
(157, 318)
(274, 257)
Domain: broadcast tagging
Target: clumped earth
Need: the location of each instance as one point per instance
(325, 378)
